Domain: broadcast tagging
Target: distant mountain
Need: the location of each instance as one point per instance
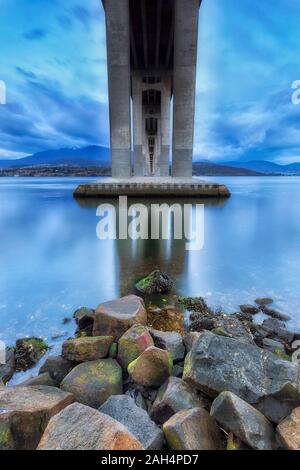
(206, 168)
(265, 166)
(84, 157)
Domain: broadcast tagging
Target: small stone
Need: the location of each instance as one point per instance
(272, 345)
(151, 368)
(113, 350)
(86, 348)
(263, 301)
(173, 396)
(115, 317)
(66, 320)
(156, 282)
(58, 367)
(25, 412)
(277, 329)
(79, 427)
(193, 429)
(132, 344)
(92, 383)
(123, 409)
(190, 339)
(41, 379)
(7, 369)
(170, 341)
(177, 371)
(244, 421)
(250, 309)
(84, 318)
(288, 431)
(271, 312)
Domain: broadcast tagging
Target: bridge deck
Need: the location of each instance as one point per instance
(148, 187)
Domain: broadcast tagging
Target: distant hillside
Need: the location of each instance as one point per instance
(212, 169)
(88, 156)
(265, 166)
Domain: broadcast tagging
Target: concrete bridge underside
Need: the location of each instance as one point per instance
(151, 61)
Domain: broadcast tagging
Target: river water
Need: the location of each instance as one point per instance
(52, 262)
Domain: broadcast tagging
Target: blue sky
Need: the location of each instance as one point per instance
(53, 61)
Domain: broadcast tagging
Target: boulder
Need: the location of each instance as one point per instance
(7, 370)
(288, 431)
(41, 379)
(58, 367)
(193, 429)
(156, 282)
(250, 309)
(86, 348)
(170, 341)
(133, 343)
(25, 412)
(244, 421)
(271, 312)
(123, 409)
(115, 317)
(79, 427)
(216, 364)
(151, 368)
(173, 396)
(92, 383)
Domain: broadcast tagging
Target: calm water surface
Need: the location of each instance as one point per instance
(51, 261)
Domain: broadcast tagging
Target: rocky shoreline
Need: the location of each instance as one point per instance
(134, 377)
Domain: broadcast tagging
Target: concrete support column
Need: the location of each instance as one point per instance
(185, 61)
(118, 61)
(165, 126)
(137, 103)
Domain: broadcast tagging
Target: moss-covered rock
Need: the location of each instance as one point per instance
(92, 383)
(133, 343)
(28, 352)
(157, 282)
(152, 367)
(87, 348)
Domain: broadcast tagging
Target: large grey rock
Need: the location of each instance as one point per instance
(58, 367)
(170, 341)
(123, 409)
(79, 427)
(173, 396)
(216, 364)
(92, 383)
(277, 329)
(288, 431)
(246, 422)
(190, 338)
(115, 317)
(25, 412)
(193, 429)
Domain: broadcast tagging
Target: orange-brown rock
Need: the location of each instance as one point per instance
(288, 431)
(115, 317)
(79, 427)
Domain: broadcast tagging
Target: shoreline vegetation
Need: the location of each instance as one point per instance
(199, 169)
(136, 375)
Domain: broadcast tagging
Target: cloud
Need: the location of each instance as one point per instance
(35, 34)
